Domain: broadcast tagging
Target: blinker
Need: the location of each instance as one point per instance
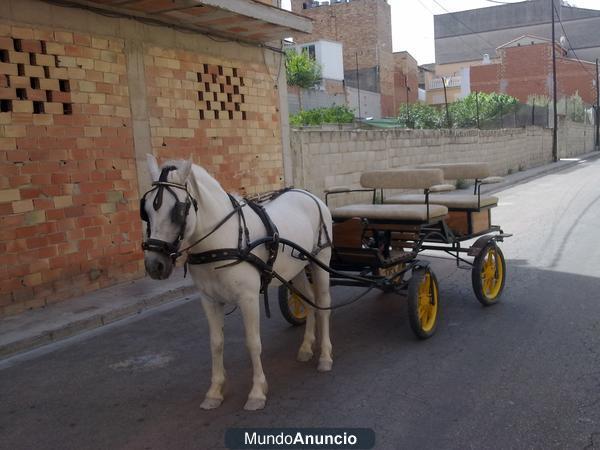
(180, 212)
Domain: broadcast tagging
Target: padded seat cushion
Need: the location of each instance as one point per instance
(390, 212)
(453, 201)
(466, 171)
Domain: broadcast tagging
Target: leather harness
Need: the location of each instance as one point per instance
(243, 251)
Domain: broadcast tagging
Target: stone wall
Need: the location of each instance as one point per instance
(323, 159)
(83, 98)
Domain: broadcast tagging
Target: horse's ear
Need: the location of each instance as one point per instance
(152, 166)
(184, 170)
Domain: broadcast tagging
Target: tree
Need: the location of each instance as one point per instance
(302, 71)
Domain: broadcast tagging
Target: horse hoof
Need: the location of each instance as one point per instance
(324, 365)
(254, 404)
(304, 356)
(211, 403)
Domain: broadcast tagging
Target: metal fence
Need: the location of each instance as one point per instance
(518, 116)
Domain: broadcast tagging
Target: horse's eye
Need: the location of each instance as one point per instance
(179, 212)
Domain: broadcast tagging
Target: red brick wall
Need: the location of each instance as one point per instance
(527, 70)
(353, 24)
(69, 219)
(573, 77)
(485, 78)
(406, 73)
(222, 112)
(68, 190)
(364, 28)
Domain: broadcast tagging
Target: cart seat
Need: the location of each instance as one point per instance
(452, 201)
(393, 213)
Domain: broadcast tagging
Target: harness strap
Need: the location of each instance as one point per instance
(271, 242)
(272, 245)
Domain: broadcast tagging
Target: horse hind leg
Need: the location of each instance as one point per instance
(320, 279)
(305, 353)
(215, 316)
(250, 309)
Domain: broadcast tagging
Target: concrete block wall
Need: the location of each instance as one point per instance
(337, 158)
(83, 98)
(574, 138)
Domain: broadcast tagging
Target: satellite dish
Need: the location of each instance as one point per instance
(563, 41)
(486, 58)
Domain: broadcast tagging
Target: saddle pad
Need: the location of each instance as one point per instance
(453, 201)
(411, 213)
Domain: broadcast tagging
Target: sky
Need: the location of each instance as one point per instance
(412, 21)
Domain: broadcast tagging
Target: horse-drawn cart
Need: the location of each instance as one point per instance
(235, 247)
(377, 245)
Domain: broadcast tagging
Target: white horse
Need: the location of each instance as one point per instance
(297, 218)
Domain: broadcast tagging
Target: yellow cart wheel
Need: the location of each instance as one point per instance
(423, 303)
(292, 307)
(489, 274)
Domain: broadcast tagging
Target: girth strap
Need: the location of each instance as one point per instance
(272, 245)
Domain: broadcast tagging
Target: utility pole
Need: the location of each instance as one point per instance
(446, 103)
(477, 106)
(407, 107)
(357, 84)
(555, 128)
(597, 108)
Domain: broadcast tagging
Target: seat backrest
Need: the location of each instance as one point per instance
(401, 178)
(463, 171)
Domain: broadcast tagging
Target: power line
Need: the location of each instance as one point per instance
(493, 46)
(428, 10)
(461, 37)
(569, 42)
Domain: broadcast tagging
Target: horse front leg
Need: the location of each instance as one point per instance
(215, 315)
(250, 309)
(323, 297)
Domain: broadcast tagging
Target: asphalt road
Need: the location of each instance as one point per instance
(522, 374)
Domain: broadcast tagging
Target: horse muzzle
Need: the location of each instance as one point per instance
(158, 265)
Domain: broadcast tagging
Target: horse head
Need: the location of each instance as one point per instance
(168, 209)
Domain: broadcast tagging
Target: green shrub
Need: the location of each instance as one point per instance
(318, 116)
(463, 112)
(421, 116)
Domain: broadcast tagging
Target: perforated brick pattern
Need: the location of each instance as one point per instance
(220, 93)
(31, 79)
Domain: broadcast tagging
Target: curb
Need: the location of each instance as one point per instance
(93, 322)
(545, 170)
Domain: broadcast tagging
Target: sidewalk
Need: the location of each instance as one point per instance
(38, 327)
(32, 329)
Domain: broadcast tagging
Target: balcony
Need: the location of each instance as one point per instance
(451, 82)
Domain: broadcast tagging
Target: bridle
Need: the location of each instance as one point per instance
(179, 214)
